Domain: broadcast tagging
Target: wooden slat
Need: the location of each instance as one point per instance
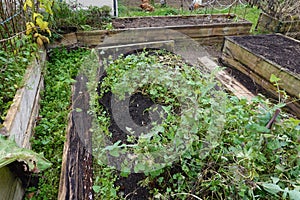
(269, 23)
(260, 70)
(234, 86)
(10, 185)
(234, 53)
(76, 174)
(19, 124)
(201, 32)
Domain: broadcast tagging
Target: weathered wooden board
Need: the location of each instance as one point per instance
(20, 112)
(203, 33)
(260, 70)
(76, 174)
(91, 38)
(19, 124)
(230, 83)
(10, 185)
(267, 23)
(115, 51)
(68, 39)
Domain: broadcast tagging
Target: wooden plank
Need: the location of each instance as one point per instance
(33, 116)
(91, 38)
(76, 173)
(231, 84)
(11, 186)
(19, 114)
(115, 51)
(146, 34)
(261, 66)
(269, 23)
(260, 70)
(69, 39)
(20, 122)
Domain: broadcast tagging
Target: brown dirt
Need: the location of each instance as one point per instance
(172, 3)
(129, 186)
(167, 21)
(276, 48)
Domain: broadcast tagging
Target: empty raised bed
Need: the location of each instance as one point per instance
(202, 28)
(261, 56)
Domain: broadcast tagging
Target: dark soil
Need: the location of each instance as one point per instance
(138, 104)
(141, 22)
(276, 48)
(246, 81)
(172, 3)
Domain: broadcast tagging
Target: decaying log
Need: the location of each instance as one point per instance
(76, 175)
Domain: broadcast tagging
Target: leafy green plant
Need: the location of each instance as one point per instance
(13, 63)
(10, 152)
(275, 189)
(36, 25)
(238, 163)
(74, 15)
(282, 95)
(50, 131)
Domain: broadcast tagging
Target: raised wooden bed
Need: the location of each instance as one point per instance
(267, 23)
(205, 29)
(77, 171)
(261, 56)
(19, 124)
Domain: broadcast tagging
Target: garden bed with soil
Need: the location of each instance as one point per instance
(78, 147)
(206, 29)
(261, 56)
(189, 177)
(173, 21)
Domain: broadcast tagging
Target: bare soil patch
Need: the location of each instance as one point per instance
(278, 49)
(142, 22)
(172, 3)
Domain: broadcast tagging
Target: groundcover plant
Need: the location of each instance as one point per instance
(192, 140)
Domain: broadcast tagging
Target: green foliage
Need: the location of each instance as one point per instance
(10, 152)
(282, 95)
(164, 11)
(242, 11)
(103, 183)
(74, 15)
(14, 60)
(55, 103)
(36, 23)
(241, 162)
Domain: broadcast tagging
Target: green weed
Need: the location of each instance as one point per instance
(244, 160)
(50, 131)
(14, 61)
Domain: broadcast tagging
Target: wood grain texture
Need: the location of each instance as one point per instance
(19, 124)
(260, 70)
(230, 83)
(76, 174)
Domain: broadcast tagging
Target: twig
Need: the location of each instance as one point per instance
(7, 39)
(272, 121)
(188, 194)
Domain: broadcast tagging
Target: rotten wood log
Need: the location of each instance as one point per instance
(76, 175)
